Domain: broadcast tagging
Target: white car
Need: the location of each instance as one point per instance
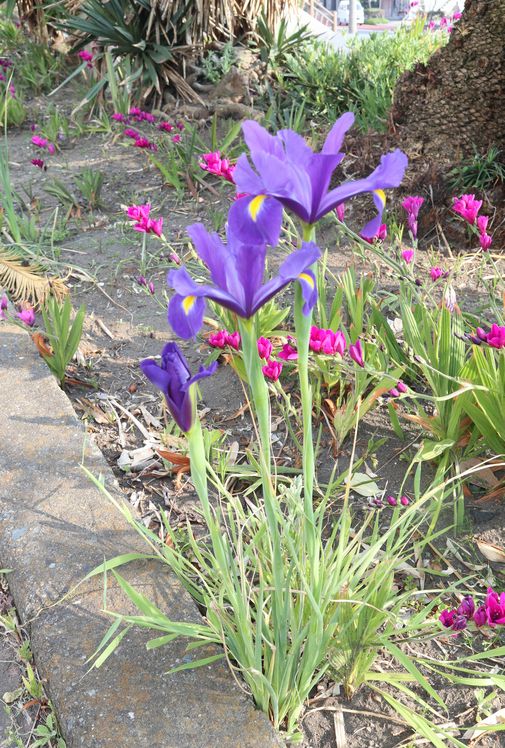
(343, 12)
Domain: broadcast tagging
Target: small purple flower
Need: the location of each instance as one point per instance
(142, 281)
(237, 272)
(118, 117)
(38, 163)
(391, 501)
(174, 379)
(411, 206)
(408, 255)
(485, 241)
(4, 303)
(356, 353)
(404, 501)
(150, 288)
(460, 623)
(393, 392)
(436, 273)
(467, 607)
(401, 386)
(467, 207)
(340, 210)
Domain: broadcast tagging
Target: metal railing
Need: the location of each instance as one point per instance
(317, 10)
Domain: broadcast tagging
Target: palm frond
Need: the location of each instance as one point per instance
(27, 282)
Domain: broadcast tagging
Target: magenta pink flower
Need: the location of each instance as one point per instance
(391, 501)
(480, 616)
(356, 353)
(38, 141)
(165, 126)
(218, 339)
(51, 148)
(4, 303)
(176, 138)
(447, 618)
(38, 162)
(411, 206)
(401, 386)
(85, 56)
(233, 340)
(495, 605)
(272, 370)
(180, 126)
(408, 255)
(496, 336)
(485, 241)
(131, 133)
(118, 117)
(264, 348)
(214, 164)
(142, 142)
(27, 316)
(467, 207)
(288, 353)
(327, 341)
(436, 273)
(482, 222)
(404, 501)
(340, 211)
(143, 223)
(150, 288)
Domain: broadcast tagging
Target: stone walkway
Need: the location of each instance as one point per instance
(54, 528)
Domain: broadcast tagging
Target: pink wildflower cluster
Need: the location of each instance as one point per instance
(468, 208)
(140, 214)
(220, 167)
(490, 613)
(327, 341)
(139, 116)
(86, 57)
(44, 143)
(407, 255)
(400, 389)
(411, 205)
(223, 338)
(446, 23)
(378, 503)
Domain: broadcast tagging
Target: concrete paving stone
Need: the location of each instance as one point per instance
(55, 526)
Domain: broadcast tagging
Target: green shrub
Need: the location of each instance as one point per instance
(329, 82)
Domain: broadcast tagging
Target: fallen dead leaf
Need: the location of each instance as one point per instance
(498, 718)
(490, 551)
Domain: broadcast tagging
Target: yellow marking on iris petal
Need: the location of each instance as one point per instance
(255, 206)
(381, 195)
(188, 303)
(307, 278)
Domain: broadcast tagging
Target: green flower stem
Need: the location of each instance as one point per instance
(303, 323)
(198, 466)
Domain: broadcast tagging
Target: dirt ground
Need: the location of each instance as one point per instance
(123, 411)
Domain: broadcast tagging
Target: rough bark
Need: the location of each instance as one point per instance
(455, 103)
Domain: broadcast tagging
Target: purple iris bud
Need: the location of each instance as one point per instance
(287, 171)
(237, 271)
(391, 501)
(174, 379)
(142, 281)
(150, 288)
(4, 303)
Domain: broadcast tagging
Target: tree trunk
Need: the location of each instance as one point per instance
(444, 110)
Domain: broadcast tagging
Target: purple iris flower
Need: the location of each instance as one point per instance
(237, 271)
(288, 173)
(174, 379)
